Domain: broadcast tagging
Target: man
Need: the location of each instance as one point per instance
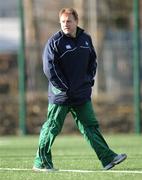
(69, 62)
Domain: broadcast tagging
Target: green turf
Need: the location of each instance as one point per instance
(69, 152)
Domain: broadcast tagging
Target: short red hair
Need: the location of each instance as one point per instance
(69, 11)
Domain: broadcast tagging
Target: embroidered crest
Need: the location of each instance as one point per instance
(68, 46)
(86, 43)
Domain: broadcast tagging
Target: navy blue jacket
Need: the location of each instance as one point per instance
(70, 66)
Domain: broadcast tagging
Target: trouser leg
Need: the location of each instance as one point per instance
(50, 129)
(87, 123)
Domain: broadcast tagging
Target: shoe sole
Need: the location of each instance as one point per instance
(116, 162)
(110, 167)
(120, 160)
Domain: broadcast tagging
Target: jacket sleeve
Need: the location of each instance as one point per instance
(92, 63)
(51, 67)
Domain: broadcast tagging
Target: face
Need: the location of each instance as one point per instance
(68, 24)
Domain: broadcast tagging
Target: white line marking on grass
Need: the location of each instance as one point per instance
(103, 171)
(14, 169)
(79, 171)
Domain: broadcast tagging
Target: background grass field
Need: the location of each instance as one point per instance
(69, 153)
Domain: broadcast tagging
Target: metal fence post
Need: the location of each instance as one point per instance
(136, 67)
(21, 69)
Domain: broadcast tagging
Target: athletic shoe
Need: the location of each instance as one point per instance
(39, 169)
(118, 159)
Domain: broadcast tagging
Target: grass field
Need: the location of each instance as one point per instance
(73, 156)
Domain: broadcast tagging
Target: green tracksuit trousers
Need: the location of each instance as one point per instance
(86, 122)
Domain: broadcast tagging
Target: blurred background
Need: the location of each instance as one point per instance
(26, 25)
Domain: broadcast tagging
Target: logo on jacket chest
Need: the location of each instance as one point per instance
(68, 46)
(86, 43)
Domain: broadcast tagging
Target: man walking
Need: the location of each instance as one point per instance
(69, 62)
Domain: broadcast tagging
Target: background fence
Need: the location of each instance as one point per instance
(111, 26)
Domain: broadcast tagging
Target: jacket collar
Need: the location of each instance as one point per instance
(78, 32)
